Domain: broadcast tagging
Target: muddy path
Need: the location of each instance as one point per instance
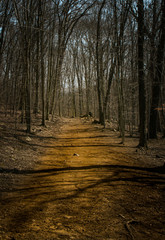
(87, 186)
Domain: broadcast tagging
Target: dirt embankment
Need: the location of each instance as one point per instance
(82, 185)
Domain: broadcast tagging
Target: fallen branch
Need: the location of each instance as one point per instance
(127, 226)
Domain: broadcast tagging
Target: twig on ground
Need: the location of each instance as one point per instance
(127, 226)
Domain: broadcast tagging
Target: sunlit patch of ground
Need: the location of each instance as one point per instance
(86, 186)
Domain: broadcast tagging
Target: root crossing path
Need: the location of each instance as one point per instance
(87, 186)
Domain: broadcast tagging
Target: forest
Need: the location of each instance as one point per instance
(82, 119)
(69, 58)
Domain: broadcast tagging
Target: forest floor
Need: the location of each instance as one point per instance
(74, 180)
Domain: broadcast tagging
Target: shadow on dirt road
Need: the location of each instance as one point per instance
(85, 187)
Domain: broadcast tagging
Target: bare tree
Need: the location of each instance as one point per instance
(142, 93)
(5, 15)
(157, 79)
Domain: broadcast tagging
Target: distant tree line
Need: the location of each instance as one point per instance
(69, 58)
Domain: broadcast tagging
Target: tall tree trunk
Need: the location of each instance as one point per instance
(156, 87)
(27, 88)
(35, 111)
(79, 79)
(99, 68)
(142, 93)
(41, 12)
(4, 21)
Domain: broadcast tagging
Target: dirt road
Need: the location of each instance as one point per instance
(87, 186)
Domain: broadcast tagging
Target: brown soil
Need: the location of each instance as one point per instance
(73, 180)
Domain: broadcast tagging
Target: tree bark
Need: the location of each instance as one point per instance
(99, 67)
(142, 93)
(156, 87)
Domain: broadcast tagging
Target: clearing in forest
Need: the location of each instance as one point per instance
(85, 186)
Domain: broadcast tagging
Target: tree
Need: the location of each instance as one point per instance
(157, 79)
(99, 60)
(41, 20)
(5, 15)
(142, 96)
